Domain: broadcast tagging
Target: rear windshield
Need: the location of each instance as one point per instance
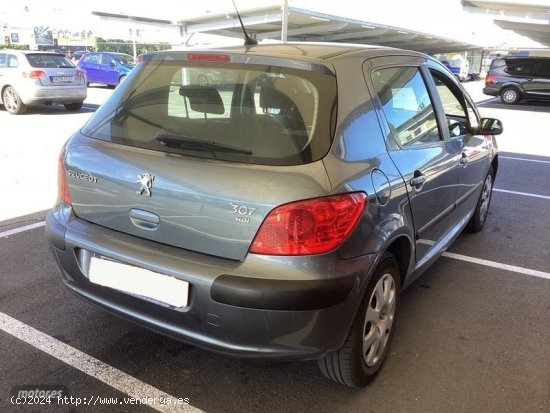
(48, 60)
(237, 112)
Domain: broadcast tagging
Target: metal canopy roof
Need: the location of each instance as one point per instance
(307, 25)
(532, 10)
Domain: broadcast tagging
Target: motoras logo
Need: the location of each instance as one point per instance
(145, 182)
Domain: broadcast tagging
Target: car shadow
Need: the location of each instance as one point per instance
(524, 105)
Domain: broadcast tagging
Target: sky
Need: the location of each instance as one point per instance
(442, 17)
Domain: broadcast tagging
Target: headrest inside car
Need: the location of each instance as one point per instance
(203, 99)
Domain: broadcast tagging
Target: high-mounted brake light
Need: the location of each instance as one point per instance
(313, 226)
(62, 186)
(208, 57)
(35, 74)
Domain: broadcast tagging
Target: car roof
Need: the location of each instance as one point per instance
(30, 52)
(303, 50)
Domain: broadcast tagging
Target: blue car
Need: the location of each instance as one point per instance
(106, 68)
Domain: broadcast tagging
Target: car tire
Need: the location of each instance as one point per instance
(121, 79)
(358, 362)
(510, 95)
(477, 222)
(73, 106)
(12, 101)
(202, 80)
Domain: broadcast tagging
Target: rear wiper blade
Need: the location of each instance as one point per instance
(183, 142)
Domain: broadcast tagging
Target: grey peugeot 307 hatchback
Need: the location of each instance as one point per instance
(280, 212)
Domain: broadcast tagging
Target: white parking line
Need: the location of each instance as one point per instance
(22, 229)
(498, 265)
(523, 159)
(522, 193)
(93, 367)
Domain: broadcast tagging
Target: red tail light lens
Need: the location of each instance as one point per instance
(62, 186)
(490, 79)
(313, 226)
(35, 74)
(79, 73)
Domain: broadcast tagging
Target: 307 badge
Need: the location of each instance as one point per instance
(243, 213)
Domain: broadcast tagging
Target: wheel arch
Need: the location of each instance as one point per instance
(401, 247)
(494, 164)
(512, 84)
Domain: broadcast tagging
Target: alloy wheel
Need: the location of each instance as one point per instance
(379, 319)
(485, 197)
(510, 95)
(11, 100)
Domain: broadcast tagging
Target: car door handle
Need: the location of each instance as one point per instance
(464, 159)
(418, 179)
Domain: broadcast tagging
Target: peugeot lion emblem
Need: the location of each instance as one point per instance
(145, 182)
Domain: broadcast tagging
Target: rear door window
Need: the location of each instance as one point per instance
(407, 105)
(106, 59)
(236, 112)
(91, 58)
(12, 61)
(541, 68)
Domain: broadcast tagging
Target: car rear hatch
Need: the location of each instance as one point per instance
(200, 167)
(54, 70)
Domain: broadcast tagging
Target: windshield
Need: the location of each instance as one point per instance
(48, 60)
(236, 112)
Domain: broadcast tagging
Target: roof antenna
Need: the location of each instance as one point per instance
(248, 41)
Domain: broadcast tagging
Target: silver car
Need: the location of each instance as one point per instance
(280, 215)
(32, 78)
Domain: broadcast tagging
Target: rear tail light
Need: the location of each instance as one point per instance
(490, 79)
(79, 73)
(313, 226)
(62, 186)
(35, 74)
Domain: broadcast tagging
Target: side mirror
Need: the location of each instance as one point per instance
(490, 126)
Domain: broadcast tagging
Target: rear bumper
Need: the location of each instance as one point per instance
(267, 307)
(491, 90)
(52, 94)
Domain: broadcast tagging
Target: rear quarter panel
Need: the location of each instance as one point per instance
(358, 161)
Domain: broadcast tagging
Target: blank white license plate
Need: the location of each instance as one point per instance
(62, 79)
(139, 281)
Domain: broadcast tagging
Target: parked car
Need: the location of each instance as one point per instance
(460, 68)
(106, 68)
(32, 78)
(516, 78)
(282, 217)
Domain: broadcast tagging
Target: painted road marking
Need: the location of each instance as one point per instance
(523, 159)
(22, 229)
(522, 193)
(93, 367)
(498, 265)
